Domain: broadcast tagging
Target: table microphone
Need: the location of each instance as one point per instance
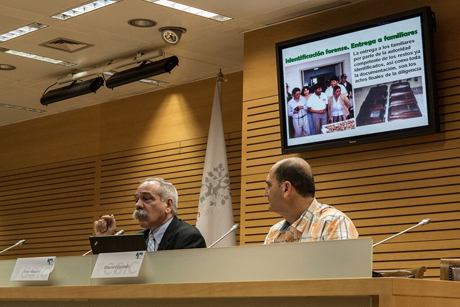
(234, 227)
(423, 222)
(20, 242)
(119, 233)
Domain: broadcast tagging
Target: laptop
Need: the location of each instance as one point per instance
(117, 244)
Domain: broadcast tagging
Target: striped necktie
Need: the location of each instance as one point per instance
(152, 245)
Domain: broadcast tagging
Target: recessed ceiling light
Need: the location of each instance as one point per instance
(190, 9)
(83, 9)
(7, 67)
(148, 81)
(142, 23)
(22, 31)
(36, 57)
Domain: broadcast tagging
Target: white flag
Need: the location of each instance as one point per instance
(215, 214)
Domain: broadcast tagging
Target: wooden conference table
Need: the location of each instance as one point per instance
(277, 275)
(381, 292)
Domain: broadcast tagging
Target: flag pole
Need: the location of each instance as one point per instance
(220, 77)
(215, 210)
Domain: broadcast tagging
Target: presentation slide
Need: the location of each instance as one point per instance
(386, 91)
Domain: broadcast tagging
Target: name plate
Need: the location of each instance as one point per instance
(116, 265)
(38, 268)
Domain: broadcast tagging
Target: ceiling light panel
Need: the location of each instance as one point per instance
(191, 10)
(37, 57)
(83, 9)
(21, 31)
(147, 81)
(12, 106)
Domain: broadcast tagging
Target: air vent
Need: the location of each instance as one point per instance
(66, 45)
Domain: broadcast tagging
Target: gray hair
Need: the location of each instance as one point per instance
(165, 191)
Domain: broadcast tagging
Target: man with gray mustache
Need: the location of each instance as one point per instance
(156, 210)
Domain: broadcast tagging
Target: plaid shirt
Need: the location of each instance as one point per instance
(318, 223)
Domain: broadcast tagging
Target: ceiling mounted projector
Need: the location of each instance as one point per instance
(73, 90)
(143, 71)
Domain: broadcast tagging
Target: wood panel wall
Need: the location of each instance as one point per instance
(383, 187)
(79, 165)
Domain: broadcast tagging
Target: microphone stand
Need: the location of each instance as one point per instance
(87, 253)
(20, 242)
(423, 222)
(234, 227)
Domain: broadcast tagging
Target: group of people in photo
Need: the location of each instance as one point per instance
(310, 108)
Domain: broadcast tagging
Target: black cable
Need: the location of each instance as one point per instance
(48, 88)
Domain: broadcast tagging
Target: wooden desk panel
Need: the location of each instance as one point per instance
(383, 292)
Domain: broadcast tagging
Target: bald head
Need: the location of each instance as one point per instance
(298, 172)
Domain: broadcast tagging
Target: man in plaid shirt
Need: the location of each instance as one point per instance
(291, 193)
